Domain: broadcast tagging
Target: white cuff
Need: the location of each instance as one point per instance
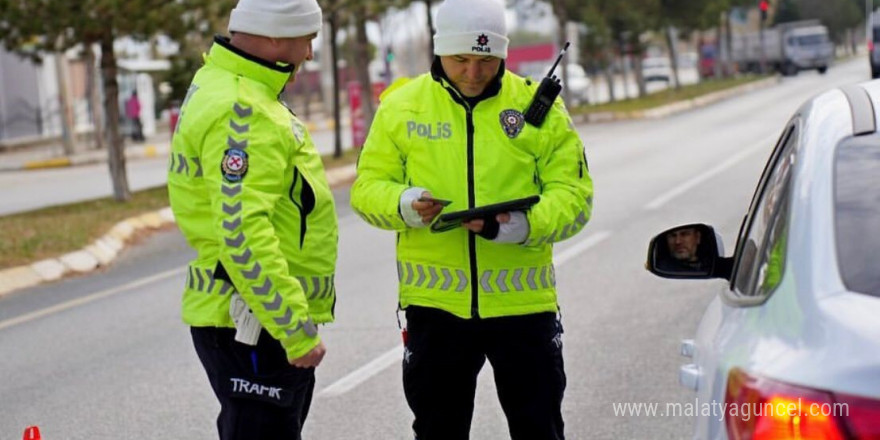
(410, 216)
(514, 231)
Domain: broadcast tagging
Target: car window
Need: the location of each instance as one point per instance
(857, 213)
(762, 241)
(876, 33)
(811, 40)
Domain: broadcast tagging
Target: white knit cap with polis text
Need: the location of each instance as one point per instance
(276, 18)
(477, 27)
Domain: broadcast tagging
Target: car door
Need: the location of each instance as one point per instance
(726, 335)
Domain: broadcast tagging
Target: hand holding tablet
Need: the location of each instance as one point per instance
(453, 220)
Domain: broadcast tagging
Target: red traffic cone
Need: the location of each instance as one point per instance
(32, 433)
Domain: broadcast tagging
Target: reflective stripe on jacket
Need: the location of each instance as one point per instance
(249, 192)
(425, 135)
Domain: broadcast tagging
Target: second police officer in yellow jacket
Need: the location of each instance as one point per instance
(485, 290)
(248, 189)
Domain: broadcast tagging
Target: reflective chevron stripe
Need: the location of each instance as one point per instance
(512, 280)
(183, 165)
(567, 231)
(319, 287)
(240, 129)
(308, 326)
(242, 112)
(431, 277)
(202, 280)
(198, 163)
(518, 279)
(377, 220)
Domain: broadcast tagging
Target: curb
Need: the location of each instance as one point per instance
(57, 162)
(675, 107)
(105, 249)
(99, 253)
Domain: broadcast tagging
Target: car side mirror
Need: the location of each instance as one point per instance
(691, 251)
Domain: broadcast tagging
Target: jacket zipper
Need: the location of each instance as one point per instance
(472, 238)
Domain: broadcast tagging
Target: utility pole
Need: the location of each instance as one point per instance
(869, 22)
(763, 6)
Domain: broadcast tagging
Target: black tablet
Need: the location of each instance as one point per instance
(452, 220)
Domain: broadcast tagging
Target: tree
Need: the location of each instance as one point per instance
(787, 10)
(337, 12)
(430, 24)
(333, 14)
(838, 15)
(58, 25)
(684, 16)
(210, 20)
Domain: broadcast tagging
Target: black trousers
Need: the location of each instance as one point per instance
(261, 395)
(445, 353)
(137, 130)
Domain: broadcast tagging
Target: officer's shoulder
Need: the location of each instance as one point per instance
(223, 92)
(396, 85)
(520, 83)
(404, 90)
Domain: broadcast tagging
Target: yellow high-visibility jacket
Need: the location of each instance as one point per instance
(425, 134)
(248, 190)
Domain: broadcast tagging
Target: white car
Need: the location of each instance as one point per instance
(790, 346)
(656, 69)
(578, 83)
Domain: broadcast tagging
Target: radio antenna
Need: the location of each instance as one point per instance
(559, 58)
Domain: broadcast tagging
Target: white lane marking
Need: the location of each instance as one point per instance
(574, 250)
(376, 366)
(361, 375)
(91, 298)
(764, 144)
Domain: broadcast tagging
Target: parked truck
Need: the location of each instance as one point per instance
(786, 47)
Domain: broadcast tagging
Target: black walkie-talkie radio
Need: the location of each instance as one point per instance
(545, 95)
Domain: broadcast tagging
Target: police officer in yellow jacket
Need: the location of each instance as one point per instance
(486, 290)
(249, 193)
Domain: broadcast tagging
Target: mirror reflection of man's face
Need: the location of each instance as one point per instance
(683, 243)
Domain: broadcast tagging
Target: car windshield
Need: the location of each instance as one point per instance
(857, 213)
(811, 40)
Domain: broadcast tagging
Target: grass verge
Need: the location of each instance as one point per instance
(669, 96)
(31, 236)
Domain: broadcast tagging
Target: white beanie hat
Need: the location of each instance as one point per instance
(476, 27)
(276, 18)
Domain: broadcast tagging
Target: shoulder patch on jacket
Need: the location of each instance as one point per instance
(512, 121)
(234, 165)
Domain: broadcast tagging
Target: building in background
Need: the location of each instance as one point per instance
(29, 105)
(35, 97)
